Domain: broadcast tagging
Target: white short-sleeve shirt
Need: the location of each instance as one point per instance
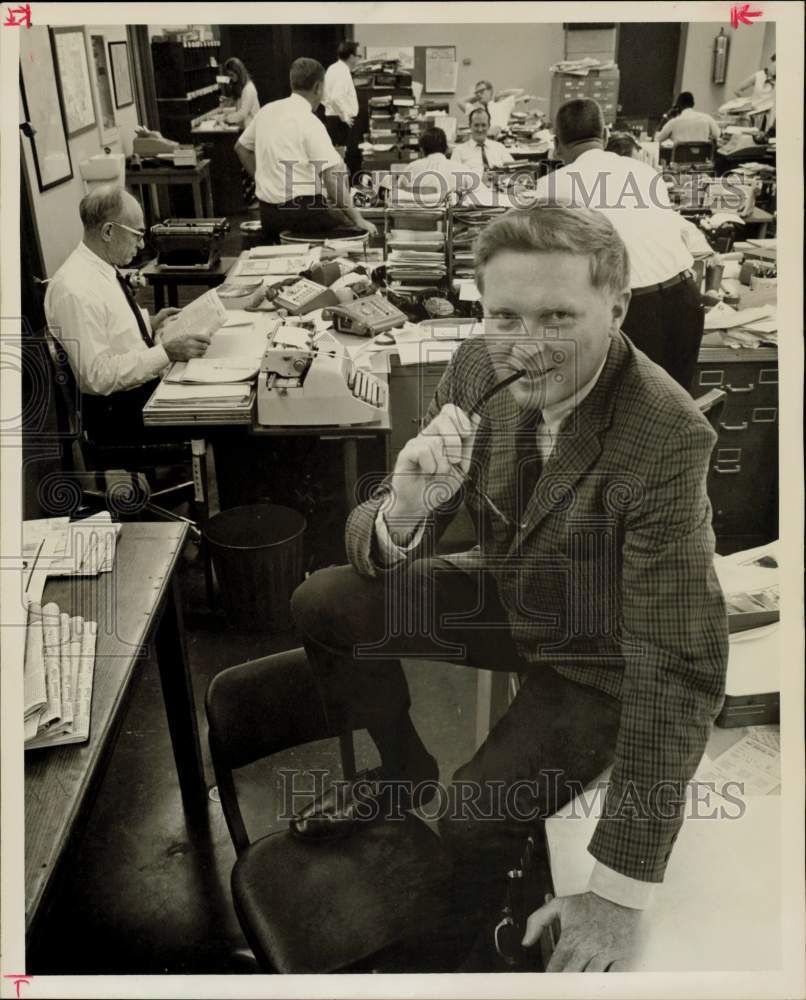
(291, 148)
(468, 155)
(635, 199)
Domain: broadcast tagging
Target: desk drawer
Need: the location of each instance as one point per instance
(746, 383)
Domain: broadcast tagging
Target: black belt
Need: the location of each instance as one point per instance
(678, 279)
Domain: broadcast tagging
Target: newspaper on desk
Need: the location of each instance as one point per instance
(55, 546)
(57, 681)
(755, 762)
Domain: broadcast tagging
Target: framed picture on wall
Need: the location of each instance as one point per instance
(74, 76)
(107, 126)
(121, 77)
(42, 109)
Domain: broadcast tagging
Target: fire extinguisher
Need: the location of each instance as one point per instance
(721, 46)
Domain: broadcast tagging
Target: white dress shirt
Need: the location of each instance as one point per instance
(634, 197)
(340, 97)
(467, 155)
(500, 111)
(434, 171)
(604, 881)
(291, 148)
(88, 313)
(689, 126)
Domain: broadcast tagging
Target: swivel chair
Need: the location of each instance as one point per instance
(375, 900)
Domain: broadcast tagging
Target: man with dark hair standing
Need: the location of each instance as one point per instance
(340, 99)
(689, 125)
(592, 579)
(287, 150)
(666, 316)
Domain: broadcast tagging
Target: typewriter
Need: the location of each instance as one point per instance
(189, 243)
(302, 384)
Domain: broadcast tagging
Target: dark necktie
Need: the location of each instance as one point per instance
(529, 461)
(148, 340)
(484, 160)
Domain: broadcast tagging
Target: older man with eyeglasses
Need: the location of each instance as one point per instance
(117, 352)
(583, 466)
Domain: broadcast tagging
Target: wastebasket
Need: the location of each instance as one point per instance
(257, 553)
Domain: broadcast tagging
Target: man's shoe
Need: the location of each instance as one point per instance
(346, 805)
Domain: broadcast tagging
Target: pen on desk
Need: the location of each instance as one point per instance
(488, 395)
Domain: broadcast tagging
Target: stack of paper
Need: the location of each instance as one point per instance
(53, 546)
(750, 582)
(57, 680)
(169, 395)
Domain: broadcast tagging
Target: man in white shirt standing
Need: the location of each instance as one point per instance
(665, 317)
(480, 154)
(500, 106)
(340, 99)
(689, 125)
(287, 150)
(117, 354)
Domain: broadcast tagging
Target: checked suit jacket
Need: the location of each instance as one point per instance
(605, 570)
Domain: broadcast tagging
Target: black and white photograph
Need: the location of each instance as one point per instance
(402, 500)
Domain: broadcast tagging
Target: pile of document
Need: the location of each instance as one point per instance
(415, 258)
(581, 67)
(751, 585)
(57, 681)
(55, 546)
(752, 327)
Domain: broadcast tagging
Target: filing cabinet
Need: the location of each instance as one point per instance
(601, 85)
(743, 474)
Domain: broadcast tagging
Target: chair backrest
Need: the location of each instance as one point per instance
(693, 152)
(255, 710)
(711, 405)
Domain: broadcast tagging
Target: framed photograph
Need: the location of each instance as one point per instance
(43, 110)
(107, 126)
(70, 47)
(121, 77)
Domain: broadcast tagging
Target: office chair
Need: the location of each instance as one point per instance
(107, 473)
(693, 155)
(375, 900)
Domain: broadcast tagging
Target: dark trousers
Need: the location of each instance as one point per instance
(667, 325)
(117, 419)
(555, 737)
(301, 215)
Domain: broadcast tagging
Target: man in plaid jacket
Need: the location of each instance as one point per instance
(592, 578)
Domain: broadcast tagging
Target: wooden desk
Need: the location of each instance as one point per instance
(135, 604)
(169, 279)
(154, 177)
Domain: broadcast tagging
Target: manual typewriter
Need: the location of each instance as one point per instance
(301, 384)
(188, 243)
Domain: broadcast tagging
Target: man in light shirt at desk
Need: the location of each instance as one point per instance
(665, 318)
(287, 150)
(480, 153)
(339, 98)
(499, 106)
(116, 352)
(689, 125)
(592, 578)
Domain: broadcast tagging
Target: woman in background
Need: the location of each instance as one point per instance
(244, 93)
(247, 105)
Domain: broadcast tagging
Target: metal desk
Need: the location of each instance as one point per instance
(197, 177)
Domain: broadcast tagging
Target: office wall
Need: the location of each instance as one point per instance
(56, 210)
(511, 55)
(745, 57)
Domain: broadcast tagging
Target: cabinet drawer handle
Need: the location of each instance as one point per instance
(744, 388)
(734, 427)
(727, 472)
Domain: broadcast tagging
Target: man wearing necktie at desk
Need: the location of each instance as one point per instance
(480, 154)
(116, 352)
(592, 579)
